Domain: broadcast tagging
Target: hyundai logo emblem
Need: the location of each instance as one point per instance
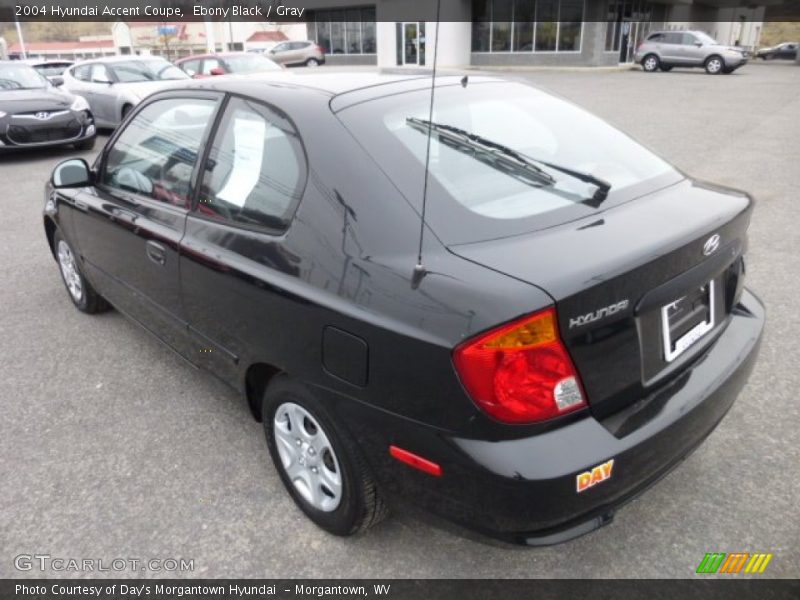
(711, 245)
(42, 115)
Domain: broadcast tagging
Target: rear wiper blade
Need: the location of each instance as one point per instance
(481, 143)
(509, 162)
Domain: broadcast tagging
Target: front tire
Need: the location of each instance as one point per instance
(650, 63)
(80, 291)
(318, 462)
(714, 65)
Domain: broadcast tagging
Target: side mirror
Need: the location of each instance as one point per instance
(217, 71)
(698, 44)
(57, 80)
(72, 173)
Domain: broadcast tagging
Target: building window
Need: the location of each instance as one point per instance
(627, 23)
(527, 25)
(345, 31)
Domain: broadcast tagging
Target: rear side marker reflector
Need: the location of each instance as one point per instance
(412, 460)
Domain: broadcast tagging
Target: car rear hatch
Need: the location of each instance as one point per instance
(641, 289)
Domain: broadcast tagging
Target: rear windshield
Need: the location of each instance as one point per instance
(498, 155)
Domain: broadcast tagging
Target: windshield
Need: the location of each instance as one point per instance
(20, 77)
(475, 195)
(146, 70)
(251, 63)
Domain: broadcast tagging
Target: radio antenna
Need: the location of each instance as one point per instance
(419, 269)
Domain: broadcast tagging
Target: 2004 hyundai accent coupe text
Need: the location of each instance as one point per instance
(578, 324)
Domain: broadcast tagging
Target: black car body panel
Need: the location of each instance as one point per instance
(329, 301)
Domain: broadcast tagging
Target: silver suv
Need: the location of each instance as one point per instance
(666, 49)
(298, 53)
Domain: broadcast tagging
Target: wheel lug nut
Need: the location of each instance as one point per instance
(314, 470)
(298, 442)
(311, 451)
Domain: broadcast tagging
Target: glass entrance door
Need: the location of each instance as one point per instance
(410, 43)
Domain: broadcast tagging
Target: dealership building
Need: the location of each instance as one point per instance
(503, 33)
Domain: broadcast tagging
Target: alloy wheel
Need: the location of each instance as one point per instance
(307, 456)
(714, 65)
(69, 271)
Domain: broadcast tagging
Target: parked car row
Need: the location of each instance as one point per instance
(53, 102)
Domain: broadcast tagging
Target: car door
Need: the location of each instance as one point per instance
(209, 64)
(128, 226)
(102, 95)
(232, 256)
(692, 50)
(78, 83)
(280, 53)
(191, 67)
(670, 48)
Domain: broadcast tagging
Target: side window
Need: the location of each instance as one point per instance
(99, 74)
(656, 38)
(688, 39)
(82, 73)
(673, 38)
(208, 64)
(155, 154)
(191, 67)
(283, 46)
(256, 169)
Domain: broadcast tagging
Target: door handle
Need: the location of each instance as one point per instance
(156, 252)
(124, 215)
(81, 205)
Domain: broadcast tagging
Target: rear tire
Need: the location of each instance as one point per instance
(312, 62)
(714, 65)
(318, 462)
(80, 291)
(650, 63)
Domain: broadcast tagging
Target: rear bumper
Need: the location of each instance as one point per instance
(524, 490)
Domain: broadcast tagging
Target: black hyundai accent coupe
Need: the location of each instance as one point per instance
(576, 326)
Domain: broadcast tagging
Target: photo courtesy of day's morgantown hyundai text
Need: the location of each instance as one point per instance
(577, 326)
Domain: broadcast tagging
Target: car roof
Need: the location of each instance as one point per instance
(121, 58)
(212, 55)
(45, 61)
(330, 84)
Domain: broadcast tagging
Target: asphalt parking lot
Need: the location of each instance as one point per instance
(110, 446)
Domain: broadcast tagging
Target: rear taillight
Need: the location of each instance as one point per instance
(320, 49)
(520, 372)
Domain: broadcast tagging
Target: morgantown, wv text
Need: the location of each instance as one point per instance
(144, 590)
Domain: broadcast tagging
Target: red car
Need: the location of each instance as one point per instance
(206, 65)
